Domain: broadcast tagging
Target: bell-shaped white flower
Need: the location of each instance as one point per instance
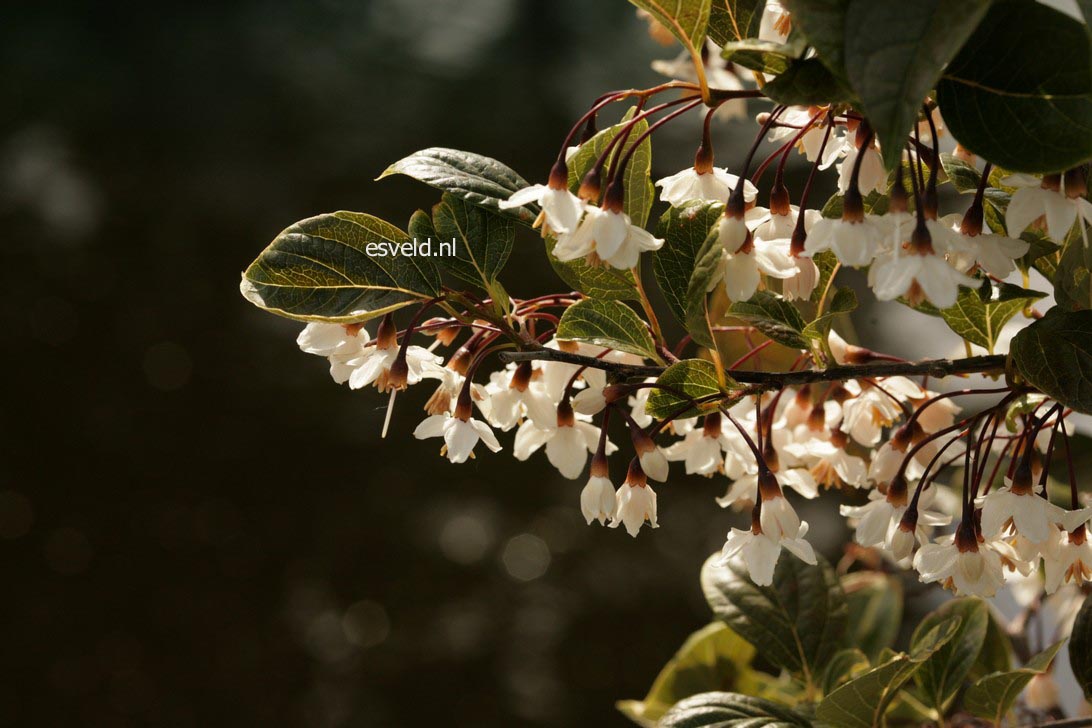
(1068, 560)
(460, 435)
(970, 246)
(1017, 505)
(918, 273)
(962, 564)
(854, 243)
(561, 207)
(635, 502)
(611, 236)
(512, 394)
(712, 186)
(1045, 198)
(597, 499)
(759, 552)
(873, 175)
(339, 343)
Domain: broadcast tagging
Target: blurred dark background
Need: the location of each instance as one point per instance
(197, 526)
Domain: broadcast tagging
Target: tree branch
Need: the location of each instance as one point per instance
(777, 380)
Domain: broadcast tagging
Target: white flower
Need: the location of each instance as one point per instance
(1045, 198)
(917, 276)
(975, 569)
(597, 500)
(775, 23)
(373, 365)
(512, 395)
(338, 343)
(560, 206)
(611, 236)
(1069, 560)
(744, 259)
(460, 436)
(778, 518)
(794, 119)
(996, 254)
(830, 463)
(1031, 515)
(567, 446)
(712, 186)
(700, 451)
(865, 415)
(759, 552)
(879, 522)
(873, 175)
(634, 504)
(854, 243)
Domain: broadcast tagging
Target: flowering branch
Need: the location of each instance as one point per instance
(777, 380)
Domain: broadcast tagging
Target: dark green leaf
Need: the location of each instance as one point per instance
(694, 378)
(827, 263)
(731, 710)
(996, 653)
(942, 675)
(483, 239)
(874, 204)
(733, 20)
(321, 269)
(862, 702)
(1073, 276)
(773, 316)
(1055, 355)
(607, 323)
(894, 53)
(703, 279)
(840, 667)
(844, 301)
(637, 182)
(713, 658)
(594, 281)
(478, 180)
(797, 622)
(686, 19)
(1080, 648)
(963, 175)
(875, 611)
(980, 320)
(1025, 110)
(993, 695)
(683, 230)
(808, 82)
(823, 23)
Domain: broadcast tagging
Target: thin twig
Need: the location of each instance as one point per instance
(777, 380)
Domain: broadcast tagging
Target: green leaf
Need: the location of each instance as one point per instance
(843, 301)
(321, 269)
(808, 82)
(683, 230)
(992, 696)
(942, 675)
(797, 622)
(477, 179)
(894, 53)
(607, 323)
(1055, 355)
(1080, 648)
(713, 658)
(594, 281)
(979, 320)
(764, 56)
(1025, 110)
(862, 702)
(695, 378)
(823, 23)
(1073, 276)
(731, 710)
(773, 316)
(875, 611)
(827, 263)
(996, 653)
(963, 175)
(840, 667)
(483, 240)
(686, 19)
(1025, 404)
(703, 280)
(874, 203)
(734, 20)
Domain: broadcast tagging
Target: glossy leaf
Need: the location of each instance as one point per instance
(941, 677)
(477, 179)
(594, 281)
(607, 323)
(713, 658)
(686, 19)
(637, 181)
(1080, 648)
(841, 667)
(1073, 275)
(823, 23)
(1027, 111)
(773, 316)
(992, 696)
(694, 378)
(703, 280)
(731, 710)
(875, 611)
(843, 302)
(764, 56)
(1054, 354)
(683, 230)
(798, 622)
(862, 702)
(979, 320)
(322, 269)
(894, 53)
(483, 240)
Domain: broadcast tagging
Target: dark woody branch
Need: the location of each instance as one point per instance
(777, 380)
